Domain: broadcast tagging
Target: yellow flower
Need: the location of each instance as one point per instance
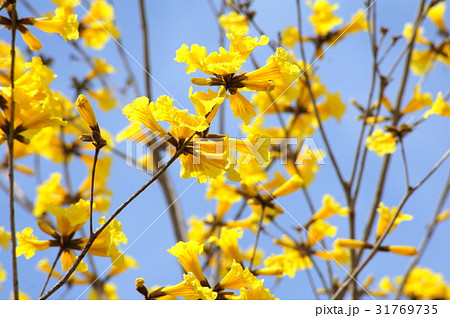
(202, 158)
(105, 98)
(323, 18)
(257, 293)
(439, 107)
(332, 106)
(381, 143)
(386, 216)
(291, 185)
(423, 283)
(318, 230)
(403, 250)
(68, 222)
(418, 101)
(108, 292)
(351, 243)
(115, 230)
(234, 23)
(441, 217)
(422, 61)
(278, 67)
(338, 254)
(436, 14)
(285, 264)
(50, 192)
(97, 27)
(190, 288)
(238, 278)
(228, 243)
(408, 32)
(2, 275)
(5, 238)
(35, 102)
(242, 108)
(101, 67)
(290, 36)
(85, 109)
(29, 243)
(64, 23)
(224, 65)
(356, 24)
(33, 42)
(329, 208)
(187, 254)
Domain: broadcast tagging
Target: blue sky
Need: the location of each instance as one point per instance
(345, 69)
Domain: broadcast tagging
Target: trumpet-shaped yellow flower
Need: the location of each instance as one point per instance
(202, 158)
(323, 18)
(291, 185)
(351, 243)
(386, 216)
(422, 61)
(329, 208)
(238, 278)
(403, 250)
(332, 106)
(97, 27)
(290, 36)
(191, 288)
(68, 222)
(63, 23)
(187, 254)
(28, 243)
(256, 293)
(85, 109)
(234, 23)
(439, 107)
(318, 230)
(338, 254)
(381, 143)
(31, 41)
(423, 283)
(228, 243)
(104, 97)
(418, 101)
(357, 23)
(224, 66)
(100, 67)
(436, 14)
(35, 102)
(50, 192)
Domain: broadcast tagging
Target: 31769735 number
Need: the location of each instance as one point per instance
(406, 309)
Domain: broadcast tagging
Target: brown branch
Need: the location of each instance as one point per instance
(94, 236)
(12, 217)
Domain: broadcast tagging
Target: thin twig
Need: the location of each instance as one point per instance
(176, 214)
(426, 239)
(380, 240)
(91, 199)
(94, 236)
(405, 163)
(395, 120)
(51, 271)
(255, 246)
(12, 215)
